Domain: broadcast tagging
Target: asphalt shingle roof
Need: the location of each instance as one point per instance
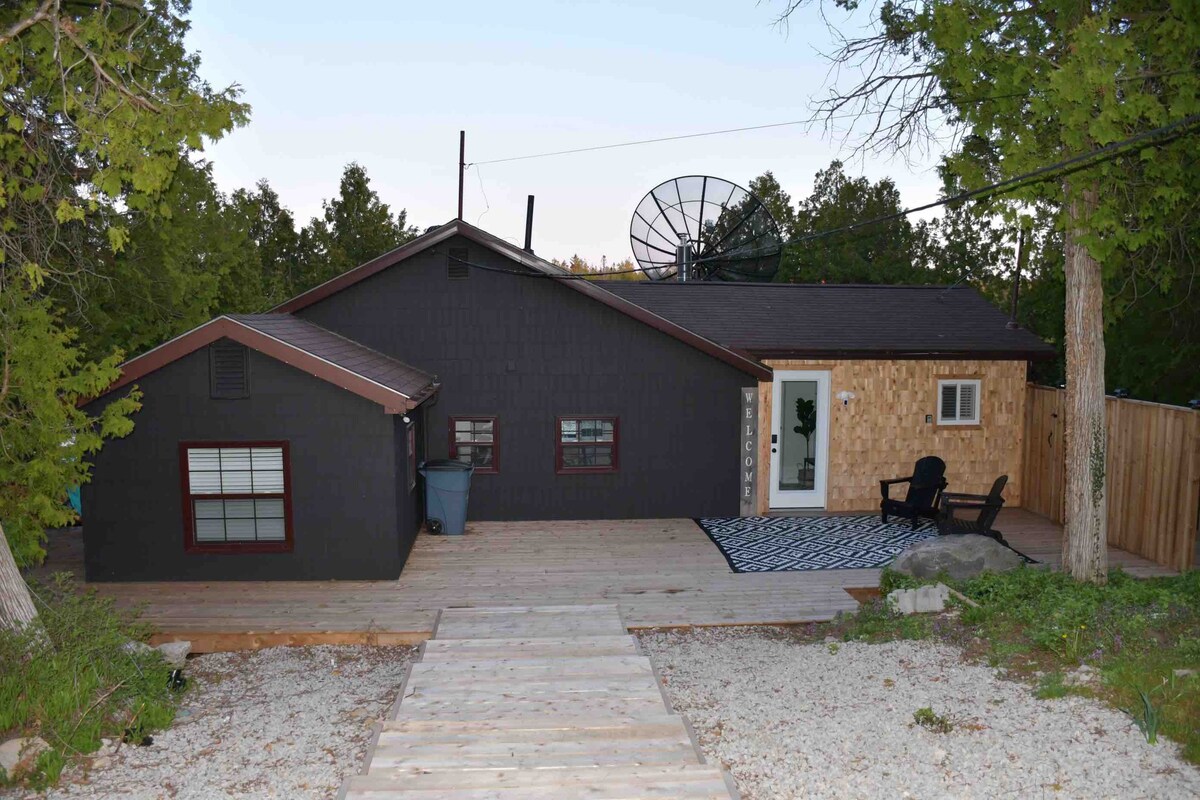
(826, 320)
(342, 352)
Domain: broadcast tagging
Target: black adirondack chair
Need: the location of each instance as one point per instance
(987, 505)
(925, 487)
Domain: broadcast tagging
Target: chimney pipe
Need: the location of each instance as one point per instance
(529, 225)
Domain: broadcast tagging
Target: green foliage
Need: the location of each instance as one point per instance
(272, 229)
(876, 622)
(1134, 633)
(1051, 686)
(179, 268)
(620, 271)
(101, 103)
(69, 679)
(44, 436)
(1146, 716)
(931, 721)
(356, 227)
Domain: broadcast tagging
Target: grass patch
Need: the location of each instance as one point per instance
(70, 680)
(1135, 634)
(1051, 686)
(928, 719)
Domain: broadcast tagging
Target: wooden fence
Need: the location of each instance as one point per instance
(1153, 471)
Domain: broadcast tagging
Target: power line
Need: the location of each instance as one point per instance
(810, 121)
(1040, 175)
(1049, 172)
(643, 141)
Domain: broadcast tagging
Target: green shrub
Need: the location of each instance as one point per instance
(928, 719)
(71, 680)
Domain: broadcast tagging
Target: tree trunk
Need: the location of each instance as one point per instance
(16, 606)
(1085, 535)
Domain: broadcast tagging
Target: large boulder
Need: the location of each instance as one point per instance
(960, 556)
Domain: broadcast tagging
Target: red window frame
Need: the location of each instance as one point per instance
(560, 469)
(190, 545)
(494, 444)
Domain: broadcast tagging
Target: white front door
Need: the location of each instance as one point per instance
(799, 438)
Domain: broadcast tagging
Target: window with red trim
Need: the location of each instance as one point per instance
(476, 441)
(587, 444)
(237, 496)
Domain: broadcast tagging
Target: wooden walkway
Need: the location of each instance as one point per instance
(662, 573)
(534, 702)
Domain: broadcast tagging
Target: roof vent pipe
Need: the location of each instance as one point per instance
(529, 225)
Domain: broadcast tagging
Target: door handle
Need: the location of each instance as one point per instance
(773, 450)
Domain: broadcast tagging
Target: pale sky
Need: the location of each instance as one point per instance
(390, 84)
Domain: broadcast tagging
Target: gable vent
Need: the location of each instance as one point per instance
(228, 371)
(455, 268)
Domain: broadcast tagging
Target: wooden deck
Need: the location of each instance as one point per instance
(662, 573)
(534, 702)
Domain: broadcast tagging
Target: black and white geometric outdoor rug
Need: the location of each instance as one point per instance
(787, 544)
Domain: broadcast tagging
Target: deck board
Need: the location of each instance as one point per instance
(662, 573)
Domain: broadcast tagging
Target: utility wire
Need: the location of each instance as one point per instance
(810, 121)
(643, 141)
(1058, 169)
(1049, 172)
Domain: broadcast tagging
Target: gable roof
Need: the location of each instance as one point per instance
(820, 320)
(360, 370)
(589, 288)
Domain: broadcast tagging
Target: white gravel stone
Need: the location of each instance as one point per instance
(792, 720)
(287, 722)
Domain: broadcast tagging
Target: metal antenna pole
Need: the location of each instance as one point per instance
(462, 168)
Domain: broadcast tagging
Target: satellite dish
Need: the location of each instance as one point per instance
(697, 227)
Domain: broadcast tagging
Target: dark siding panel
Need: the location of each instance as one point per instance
(529, 350)
(344, 479)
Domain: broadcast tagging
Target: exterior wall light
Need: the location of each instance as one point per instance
(845, 397)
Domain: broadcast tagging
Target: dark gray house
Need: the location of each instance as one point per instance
(284, 445)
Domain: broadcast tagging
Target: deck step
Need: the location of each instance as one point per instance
(431, 685)
(662, 740)
(682, 782)
(532, 622)
(439, 650)
(518, 668)
(449, 728)
(637, 706)
(528, 703)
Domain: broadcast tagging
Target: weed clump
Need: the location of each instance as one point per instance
(71, 678)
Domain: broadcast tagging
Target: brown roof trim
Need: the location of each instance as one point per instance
(738, 360)
(223, 327)
(898, 355)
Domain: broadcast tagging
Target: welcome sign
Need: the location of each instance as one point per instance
(748, 453)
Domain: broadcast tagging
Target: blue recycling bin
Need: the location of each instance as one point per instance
(447, 485)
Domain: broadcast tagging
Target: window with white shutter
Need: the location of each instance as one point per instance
(958, 402)
(237, 496)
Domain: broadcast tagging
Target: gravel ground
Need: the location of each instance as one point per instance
(287, 722)
(794, 720)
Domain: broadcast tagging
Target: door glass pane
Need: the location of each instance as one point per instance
(798, 436)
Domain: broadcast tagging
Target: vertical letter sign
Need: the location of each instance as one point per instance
(748, 453)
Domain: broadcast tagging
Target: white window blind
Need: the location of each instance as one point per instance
(237, 494)
(958, 402)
